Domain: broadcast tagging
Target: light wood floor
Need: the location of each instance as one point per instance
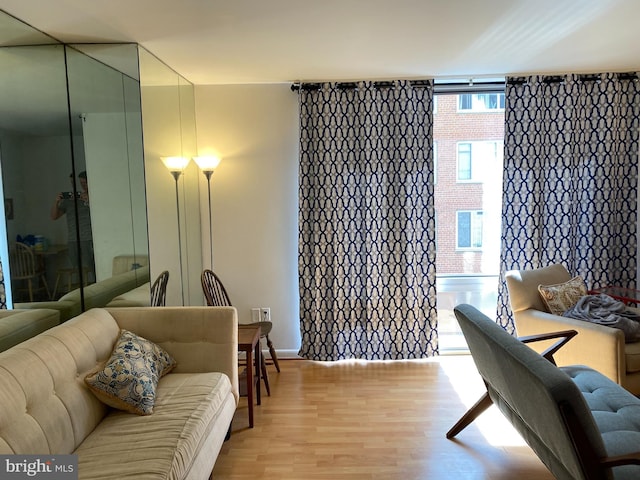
(374, 421)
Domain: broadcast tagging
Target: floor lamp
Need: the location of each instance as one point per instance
(176, 166)
(208, 164)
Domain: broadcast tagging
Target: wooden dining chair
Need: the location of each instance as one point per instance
(159, 290)
(216, 296)
(24, 266)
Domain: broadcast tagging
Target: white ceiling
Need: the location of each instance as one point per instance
(274, 41)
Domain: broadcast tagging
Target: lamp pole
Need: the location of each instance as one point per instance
(176, 166)
(208, 173)
(176, 175)
(208, 164)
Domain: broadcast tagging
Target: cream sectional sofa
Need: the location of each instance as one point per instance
(597, 346)
(19, 325)
(96, 295)
(46, 407)
(138, 297)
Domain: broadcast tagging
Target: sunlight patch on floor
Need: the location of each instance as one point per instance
(466, 382)
(468, 385)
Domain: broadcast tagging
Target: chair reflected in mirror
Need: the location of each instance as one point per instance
(72, 277)
(216, 296)
(159, 290)
(25, 268)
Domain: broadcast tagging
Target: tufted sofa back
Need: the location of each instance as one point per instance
(44, 404)
(45, 407)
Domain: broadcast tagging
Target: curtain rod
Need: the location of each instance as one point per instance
(474, 87)
(438, 88)
(585, 77)
(379, 84)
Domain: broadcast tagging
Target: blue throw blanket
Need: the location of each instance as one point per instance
(605, 310)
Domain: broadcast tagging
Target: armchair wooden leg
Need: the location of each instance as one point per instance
(473, 413)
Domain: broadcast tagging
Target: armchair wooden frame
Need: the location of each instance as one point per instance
(485, 401)
(585, 460)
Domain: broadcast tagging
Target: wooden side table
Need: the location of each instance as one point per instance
(249, 342)
(628, 296)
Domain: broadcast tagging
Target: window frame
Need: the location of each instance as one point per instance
(476, 232)
(474, 105)
(498, 146)
(435, 162)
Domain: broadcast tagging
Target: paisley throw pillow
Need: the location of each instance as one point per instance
(560, 297)
(128, 379)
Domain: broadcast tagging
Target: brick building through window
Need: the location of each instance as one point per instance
(468, 146)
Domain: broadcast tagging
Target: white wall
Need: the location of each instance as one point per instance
(254, 129)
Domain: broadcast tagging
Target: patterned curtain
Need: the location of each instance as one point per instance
(366, 221)
(570, 178)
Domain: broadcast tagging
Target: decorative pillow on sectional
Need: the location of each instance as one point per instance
(562, 296)
(128, 380)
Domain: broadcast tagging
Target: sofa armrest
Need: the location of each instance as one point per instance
(201, 339)
(597, 346)
(67, 308)
(138, 297)
(16, 326)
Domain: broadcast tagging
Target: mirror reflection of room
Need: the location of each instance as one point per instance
(34, 147)
(74, 108)
(61, 113)
(73, 206)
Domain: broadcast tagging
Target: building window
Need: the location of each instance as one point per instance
(476, 159)
(465, 172)
(480, 102)
(469, 228)
(435, 163)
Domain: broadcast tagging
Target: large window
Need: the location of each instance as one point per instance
(476, 160)
(480, 102)
(468, 136)
(469, 229)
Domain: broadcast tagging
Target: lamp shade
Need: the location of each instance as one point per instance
(207, 163)
(175, 164)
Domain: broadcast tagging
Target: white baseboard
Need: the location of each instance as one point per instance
(288, 354)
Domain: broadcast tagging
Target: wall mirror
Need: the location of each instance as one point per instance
(168, 107)
(65, 111)
(72, 123)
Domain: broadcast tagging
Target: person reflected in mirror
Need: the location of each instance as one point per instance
(82, 252)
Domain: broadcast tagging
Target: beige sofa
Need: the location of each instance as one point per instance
(19, 325)
(138, 297)
(96, 295)
(46, 407)
(599, 347)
